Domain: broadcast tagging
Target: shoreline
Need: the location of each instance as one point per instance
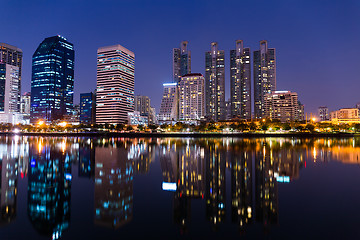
(183, 135)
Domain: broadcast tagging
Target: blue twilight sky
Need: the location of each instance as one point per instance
(316, 41)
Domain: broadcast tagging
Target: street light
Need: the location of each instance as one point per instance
(41, 122)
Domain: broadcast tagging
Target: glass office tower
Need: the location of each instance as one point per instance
(52, 82)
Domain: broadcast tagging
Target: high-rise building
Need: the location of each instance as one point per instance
(9, 88)
(52, 82)
(281, 105)
(264, 76)
(115, 84)
(240, 81)
(191, 97)
(25, 103)
(181, 61)
(169, 103)
(323, 114)
(215, 83)
(13, 56)
(87, 108)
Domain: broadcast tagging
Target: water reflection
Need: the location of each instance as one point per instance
(192, 169)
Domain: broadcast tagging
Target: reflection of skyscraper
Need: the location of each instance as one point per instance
(49, 186)
(241, 188)
(8, 177)
(87, 159)
(191, 181)
(169, 163)
(141, 154)
(215, 184)
(266, 192)
(113, 187)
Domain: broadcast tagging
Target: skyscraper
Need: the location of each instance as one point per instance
(264, 76)
(181, 61)
(52, 82)
(191, 97)
(240, 81)
(13, 56)
(115, 84)
(215, 83)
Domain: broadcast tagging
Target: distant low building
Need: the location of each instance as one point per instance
(134, 118)
(87, 108)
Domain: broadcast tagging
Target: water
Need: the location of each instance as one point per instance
(179, 188)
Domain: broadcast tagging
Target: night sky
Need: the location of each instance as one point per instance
(316, 41)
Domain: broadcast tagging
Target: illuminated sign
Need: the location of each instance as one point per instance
(169, 84)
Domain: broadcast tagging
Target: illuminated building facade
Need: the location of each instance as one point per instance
(264, 76)
(52, 82)
(115, 84)
(113, 187)
(12, 55)
(143, 105)
(345, 113)
(87, 108)
(191, 97)
(281, 105)
(181, 61)
(25, 103)
(240, 81)
(9, 88)
(169, 103)
(215, 83)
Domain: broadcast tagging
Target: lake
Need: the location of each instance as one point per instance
(179, 188)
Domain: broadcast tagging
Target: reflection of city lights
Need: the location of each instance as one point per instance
(63, 124)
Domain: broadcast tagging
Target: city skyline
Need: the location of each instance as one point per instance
(311, 25)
